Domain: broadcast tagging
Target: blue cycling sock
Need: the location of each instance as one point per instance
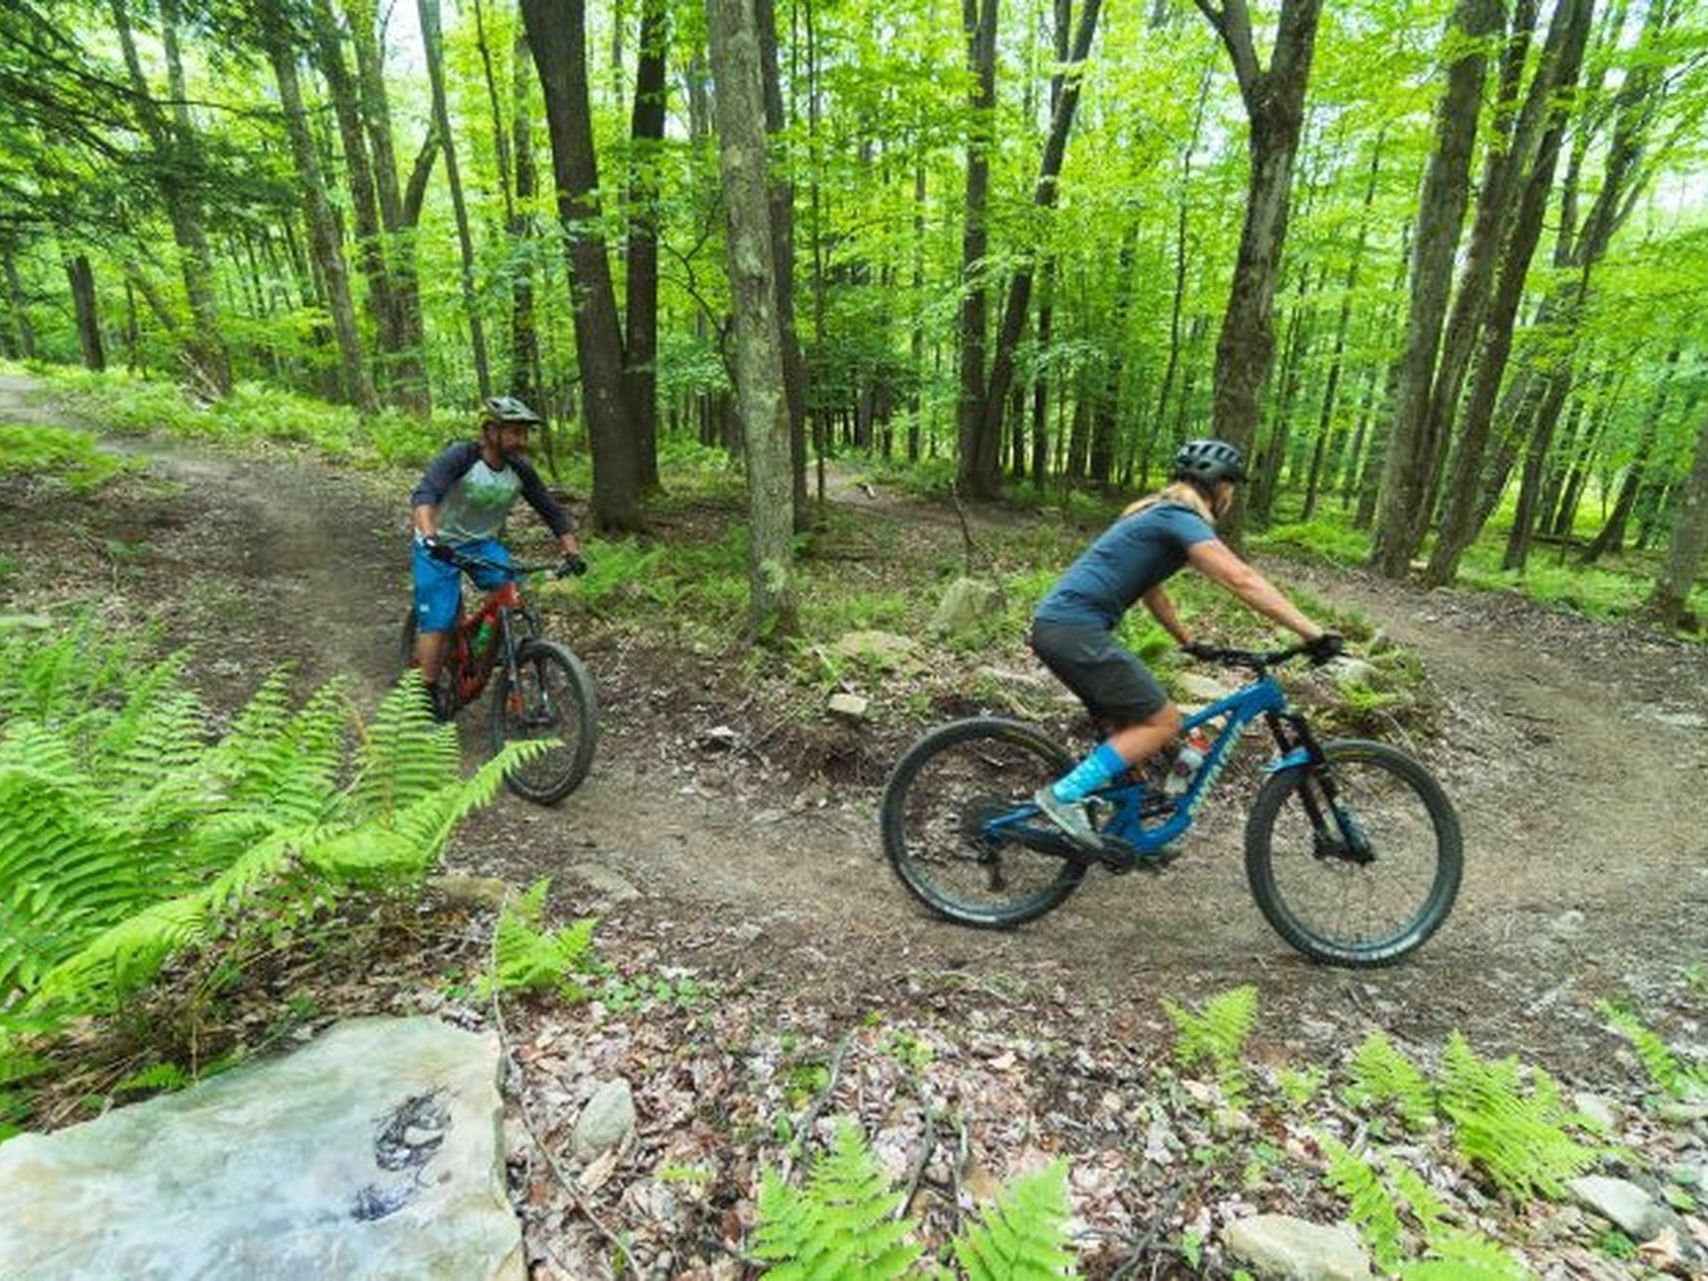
(1090, 774)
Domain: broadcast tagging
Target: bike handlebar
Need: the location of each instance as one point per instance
(567, 565)
(1257, 660)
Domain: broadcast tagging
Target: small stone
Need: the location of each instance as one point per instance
(604, 882)
(852, 706)
(605, 1122)
(470, 891)
(966, 603)
(1633, 1210)
(1602, 1111)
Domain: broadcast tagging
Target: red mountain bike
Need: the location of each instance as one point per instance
(541, 691)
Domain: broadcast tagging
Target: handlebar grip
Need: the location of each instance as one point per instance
(571, 565)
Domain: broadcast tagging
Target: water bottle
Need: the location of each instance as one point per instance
(1184, 767)
(483, 638)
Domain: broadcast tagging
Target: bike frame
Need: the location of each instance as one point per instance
(1134, 802)
(472, 671)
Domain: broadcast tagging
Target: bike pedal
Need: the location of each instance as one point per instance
(1157, 860)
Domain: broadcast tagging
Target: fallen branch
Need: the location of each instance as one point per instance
(803, 1132)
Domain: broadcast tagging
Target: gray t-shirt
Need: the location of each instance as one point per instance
(472, 499)
(1129, 558)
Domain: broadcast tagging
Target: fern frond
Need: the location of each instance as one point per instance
(1381, 1074)
(1463, 1256)
(843, 1227)
(157, 1076)
(405, 754)
(1372, 1210)
(1023, 1235)
(121, 750)
(121, 958)
(529, 958)
(1656, 1056)
(1217, 1035)
(1513, 1135)
(1426, 1207)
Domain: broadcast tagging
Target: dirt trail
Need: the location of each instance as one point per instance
(1587, 852)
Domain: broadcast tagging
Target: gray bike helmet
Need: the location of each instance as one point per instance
(507, 409)
(1208, 461)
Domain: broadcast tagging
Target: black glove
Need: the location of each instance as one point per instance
(438, 549)
(571, 565)
(1200, 649)
(1325, 647)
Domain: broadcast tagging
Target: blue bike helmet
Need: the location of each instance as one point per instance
(1208, 461)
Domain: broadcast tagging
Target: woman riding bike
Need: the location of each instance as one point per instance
(460, 505)
(1073, 626)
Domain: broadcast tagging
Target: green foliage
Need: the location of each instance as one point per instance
(1463, 1256)
(1381, 1075)
(846, 1225)
(1324, 538)
(842, 1227)
(127, 836)
(1022, 1236)
(527, 957)
(1372, 1210)
(56, 453)
(1657, 1057)
(1513, 1134)
(1216, 1035)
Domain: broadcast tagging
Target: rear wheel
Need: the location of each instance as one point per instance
(1364, 878)
(444, 691)
(936, 806)
(551, 698)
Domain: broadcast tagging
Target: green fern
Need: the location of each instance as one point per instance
(1381, 1075)
(1372, 1210)
(1022, 1236)
(529, 958)
(1512, 1134)
(1463, 1256)
(1657, 1057)
(157, 1076)
(843, 1227)
(1217, 1035)
(1419, 1197)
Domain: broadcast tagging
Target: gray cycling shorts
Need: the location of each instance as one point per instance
(1112, 683)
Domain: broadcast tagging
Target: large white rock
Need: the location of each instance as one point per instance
(374, 1152)
(966, 603)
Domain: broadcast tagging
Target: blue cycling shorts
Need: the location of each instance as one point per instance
(438, 589)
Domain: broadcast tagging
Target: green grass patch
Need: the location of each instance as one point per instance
(28, 449)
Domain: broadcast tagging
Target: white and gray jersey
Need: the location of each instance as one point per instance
(472, 499)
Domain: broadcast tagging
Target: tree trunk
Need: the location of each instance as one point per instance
(1457, 531)
(370, 252)
(1274, 102)
(82, 278)
(559, 43)
(979, 20)
(646, 131)
(782, 190)
(433, 44)
(759, 377)
(1612, 535)
(1689, 541)
(280, 43)
(176, 159)
(525, 373)
(988, 442)
(401, 339)
(1441, 212)
(1105, 413)
(19, 308)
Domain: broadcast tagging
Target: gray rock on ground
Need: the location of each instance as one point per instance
(966, 603)
(606, 1121)
(1282, 1248)
(373, 1152)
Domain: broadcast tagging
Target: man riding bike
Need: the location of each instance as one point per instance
(460, 505)
(1073, 627)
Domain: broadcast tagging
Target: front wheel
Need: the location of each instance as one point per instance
(1356, 864)
(938, 831)
(551, 697)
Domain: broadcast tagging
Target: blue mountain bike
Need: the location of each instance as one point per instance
(1352, 849)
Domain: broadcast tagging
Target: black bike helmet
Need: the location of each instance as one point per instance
(1208, 461)
(507, 409)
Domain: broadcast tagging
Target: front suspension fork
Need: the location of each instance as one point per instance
(1336, 833)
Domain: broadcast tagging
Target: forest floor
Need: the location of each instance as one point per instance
(1575, 751)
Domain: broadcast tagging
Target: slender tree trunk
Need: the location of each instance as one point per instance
(401, 339)
(1157, 431)
(987, 482)
(434, 46)
(280, 43)
(782, 189)
(82, 279)
(558, 40)
(18, 305)
(1441, 213)
(1105, 413)
(1612, 535)
(525, 373)
(176, 152)
(917, 341)
(979, 22)
(1274, 103)
(1062, 35)
(759, 378)
(646, 132)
